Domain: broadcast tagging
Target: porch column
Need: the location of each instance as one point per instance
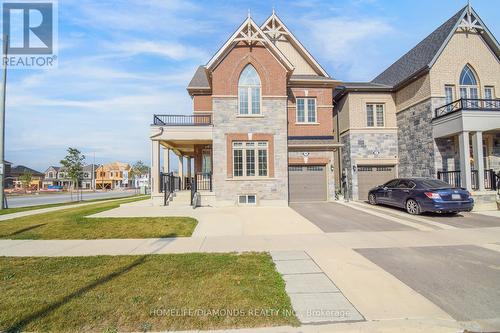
(181, 171)
(477, 152)
(166, 160)
(155, 167)
(465, 171)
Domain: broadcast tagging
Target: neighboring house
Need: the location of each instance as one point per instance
(36, 177)
(141, 180)
(433, 113)
(262, 125)
(112, 175)
(56, 176)
(89, 177)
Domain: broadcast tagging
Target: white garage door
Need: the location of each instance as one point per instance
(307, 183)
(371, 176)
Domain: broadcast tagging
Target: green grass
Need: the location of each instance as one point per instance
(72, 223)
(141, 293)
(28, 208)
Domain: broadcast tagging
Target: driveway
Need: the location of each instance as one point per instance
(462, 280)
(333, 217)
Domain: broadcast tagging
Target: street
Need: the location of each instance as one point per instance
(42, 199)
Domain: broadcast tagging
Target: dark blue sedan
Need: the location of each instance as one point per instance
(419, 195)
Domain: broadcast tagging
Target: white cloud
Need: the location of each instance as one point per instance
(348, 43)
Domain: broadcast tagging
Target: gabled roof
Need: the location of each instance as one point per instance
(421, 58)
(250, 34)
(276, 30)
(200, 80)
(55, 168)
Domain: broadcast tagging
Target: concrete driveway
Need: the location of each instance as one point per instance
(462, 280)
(333, 217)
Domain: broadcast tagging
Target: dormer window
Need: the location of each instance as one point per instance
(249, 92)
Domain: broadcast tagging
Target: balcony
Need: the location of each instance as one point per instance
(466, 115)
(468, 105)
(182, 120)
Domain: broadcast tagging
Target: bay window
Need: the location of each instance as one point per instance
(250, 158)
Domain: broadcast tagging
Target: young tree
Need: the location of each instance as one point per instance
(73, 164)
(138, 169)
(26, 178)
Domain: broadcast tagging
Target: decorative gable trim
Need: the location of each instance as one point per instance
(276, 30)
(250, 34)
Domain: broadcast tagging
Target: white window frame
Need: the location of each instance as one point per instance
(249, 97)
(245, 146)
(450, 87)
(492, 89)
(375, 115)
(306, 100)
(246, 196)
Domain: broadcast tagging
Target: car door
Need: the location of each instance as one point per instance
(387, 189)
(398, 195)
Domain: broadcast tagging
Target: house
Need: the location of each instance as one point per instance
(261, 131)
(89, 176)
(36, 177)
(56, 176)
(112, 175)
(269, 126)
(8, 177)
(433, 113)
(142, 180)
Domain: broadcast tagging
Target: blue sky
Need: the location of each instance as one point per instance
(120, 62)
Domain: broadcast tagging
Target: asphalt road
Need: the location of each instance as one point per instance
(332, 217)
(42, 199)
(462, 280)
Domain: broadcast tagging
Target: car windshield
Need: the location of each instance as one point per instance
(434, 183)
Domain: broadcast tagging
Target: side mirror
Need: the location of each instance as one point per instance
(384, 188)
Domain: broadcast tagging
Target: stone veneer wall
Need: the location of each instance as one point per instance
(415, 142)
(273, 121)
(363, 146)
(329, 173)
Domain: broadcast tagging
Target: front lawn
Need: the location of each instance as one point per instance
(142, 293)
(72, 223)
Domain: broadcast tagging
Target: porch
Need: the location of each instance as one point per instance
(189, 138)
(466, 136)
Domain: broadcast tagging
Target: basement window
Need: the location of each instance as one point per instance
(247, 199)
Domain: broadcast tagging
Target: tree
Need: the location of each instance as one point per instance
(73, 165)
(26, 178)
(138, 169)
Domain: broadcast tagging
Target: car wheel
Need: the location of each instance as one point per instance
(412, 207)
(372, 199)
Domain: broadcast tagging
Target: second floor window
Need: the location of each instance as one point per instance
(488, 93)
(306, 110)
(375, 115)
(249, 92)
(448, 92)
(250, 159)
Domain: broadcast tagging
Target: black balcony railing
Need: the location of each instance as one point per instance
(468, 104)
(182, 120)
(491, 180)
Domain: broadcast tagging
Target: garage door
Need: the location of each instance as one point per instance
(307, 183)
(371, 176)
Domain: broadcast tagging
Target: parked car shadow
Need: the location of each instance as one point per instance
(426, 214)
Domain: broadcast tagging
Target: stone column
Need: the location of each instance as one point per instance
(465, 171)
(181, 171)
(155, 167)
(166, 160)
(477, 153)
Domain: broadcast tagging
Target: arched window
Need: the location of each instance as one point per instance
(468, 84)
(249, 91)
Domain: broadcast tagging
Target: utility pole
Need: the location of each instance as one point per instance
(2, 119)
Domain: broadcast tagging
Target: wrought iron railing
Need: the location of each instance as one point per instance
(200, 182)
(453, 178)
(468, 104)
(168, 185)
(182, 120)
